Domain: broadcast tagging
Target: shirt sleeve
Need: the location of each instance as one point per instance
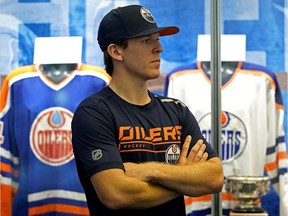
(93, 137)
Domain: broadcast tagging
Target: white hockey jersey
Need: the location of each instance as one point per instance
(38, 171)
(252, 126)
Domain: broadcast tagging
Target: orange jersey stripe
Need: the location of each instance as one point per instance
(95, 68)
(5, 85)
(225, 197)
(6, 200)
(273, 165)
(58, 208)
(189, 200)
(282, 155)
(280, 106)
(5, 167)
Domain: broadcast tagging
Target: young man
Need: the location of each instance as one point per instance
(133, 149)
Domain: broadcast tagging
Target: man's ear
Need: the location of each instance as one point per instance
(115, 52)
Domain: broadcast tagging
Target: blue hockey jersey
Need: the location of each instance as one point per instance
(38, 171)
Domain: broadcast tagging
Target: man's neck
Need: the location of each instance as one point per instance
(131, 92)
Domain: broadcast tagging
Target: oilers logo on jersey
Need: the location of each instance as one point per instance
(50, 136)
(234, 134)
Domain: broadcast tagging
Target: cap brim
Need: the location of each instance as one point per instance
(163, 31)
(169, 30)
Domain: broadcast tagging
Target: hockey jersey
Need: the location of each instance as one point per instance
(38, 172)
(252, 126)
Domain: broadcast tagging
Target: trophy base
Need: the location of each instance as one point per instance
(248, 214)
(248, 210)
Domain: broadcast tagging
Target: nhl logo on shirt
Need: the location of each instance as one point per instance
(50, 136)
(233, 132)
(172, 154)
(97, 154)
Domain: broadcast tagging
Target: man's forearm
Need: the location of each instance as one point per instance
(129, 192)
(193, 175)
(151, 195)
(195, 179)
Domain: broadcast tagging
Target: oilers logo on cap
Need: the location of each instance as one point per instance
(233, 134)
(145, 13)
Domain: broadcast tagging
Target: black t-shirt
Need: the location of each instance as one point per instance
(107, 131)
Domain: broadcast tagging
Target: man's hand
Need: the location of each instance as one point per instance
(196, 154)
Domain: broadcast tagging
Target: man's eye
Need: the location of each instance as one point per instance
(147, 41)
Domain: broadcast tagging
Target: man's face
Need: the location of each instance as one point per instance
(142, 57)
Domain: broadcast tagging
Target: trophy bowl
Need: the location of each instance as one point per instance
(247, 189)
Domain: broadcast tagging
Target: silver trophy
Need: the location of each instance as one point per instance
(247, 189)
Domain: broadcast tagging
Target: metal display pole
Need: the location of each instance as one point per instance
(216, 82)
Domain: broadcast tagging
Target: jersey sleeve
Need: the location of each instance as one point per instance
(276, 155)
(9, 156)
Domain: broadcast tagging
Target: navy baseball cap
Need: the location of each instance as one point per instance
(129, 22)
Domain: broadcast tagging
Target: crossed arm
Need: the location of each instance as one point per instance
(149, 184)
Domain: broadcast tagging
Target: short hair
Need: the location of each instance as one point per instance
(109, 67)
